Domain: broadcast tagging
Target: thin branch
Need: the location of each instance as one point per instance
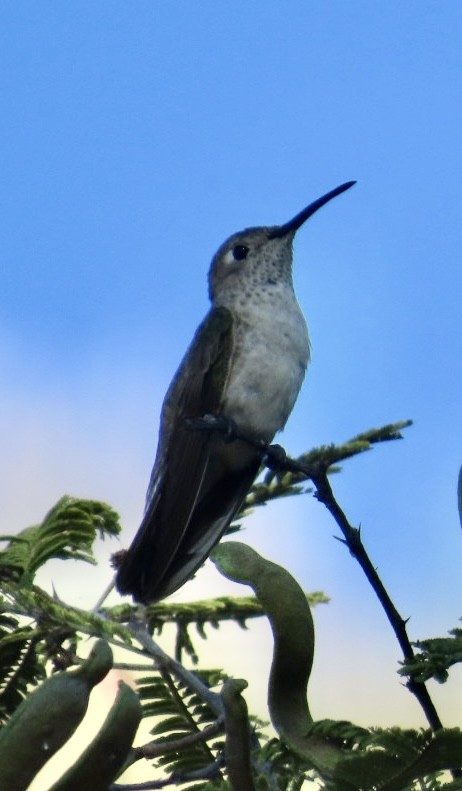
(199, 612)
(132, 667)
(155, 749)
(166, 662)
(353, 541)
(95, 625)
(210, 772)
(315, 466)
(317, 472)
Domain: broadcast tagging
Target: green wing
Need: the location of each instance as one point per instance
(198, 481)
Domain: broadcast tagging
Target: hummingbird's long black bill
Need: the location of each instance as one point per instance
(301, 217)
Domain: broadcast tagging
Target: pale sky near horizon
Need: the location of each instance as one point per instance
(134, 138)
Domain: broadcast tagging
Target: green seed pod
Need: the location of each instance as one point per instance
(47, 718)
(291, 622)
(103, 759)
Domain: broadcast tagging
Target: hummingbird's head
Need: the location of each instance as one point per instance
(249, 261)
(259, 259)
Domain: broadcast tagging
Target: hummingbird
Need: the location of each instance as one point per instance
(246, 364)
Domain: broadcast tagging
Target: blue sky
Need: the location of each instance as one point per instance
(134, 138)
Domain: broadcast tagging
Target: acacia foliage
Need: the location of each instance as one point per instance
(202, 734)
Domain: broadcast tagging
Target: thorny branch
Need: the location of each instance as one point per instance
(315, 467)
(317, 472)
(352, 539)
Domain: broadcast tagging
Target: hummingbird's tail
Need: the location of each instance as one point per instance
(178, 531)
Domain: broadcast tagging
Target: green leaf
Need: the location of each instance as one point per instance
(443, 752)
(434, 658)
(67, 532)
(19, 664)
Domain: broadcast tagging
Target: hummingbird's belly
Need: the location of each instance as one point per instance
(268, 369)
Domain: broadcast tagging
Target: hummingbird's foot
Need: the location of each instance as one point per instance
(275, 458)
(117, 558)
(220, 423)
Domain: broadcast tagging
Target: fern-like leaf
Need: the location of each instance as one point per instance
(434, 657)
(67, 532)
(178, 713)
(19, 665)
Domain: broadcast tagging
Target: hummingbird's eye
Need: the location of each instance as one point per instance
(240, 252)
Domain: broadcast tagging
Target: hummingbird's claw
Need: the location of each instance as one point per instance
(117, 558)
(220, 423)
(275, 458)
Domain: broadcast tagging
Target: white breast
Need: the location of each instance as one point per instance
(271, 355)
